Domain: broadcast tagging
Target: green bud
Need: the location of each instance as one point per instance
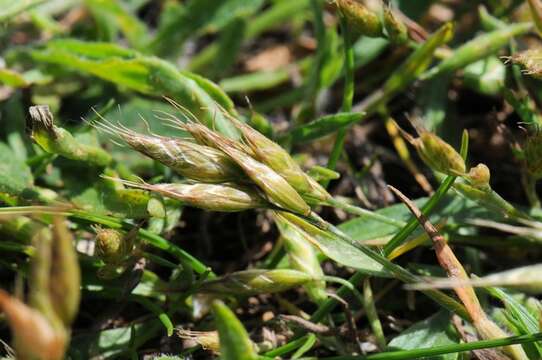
(479, 176)
(361, 18)
(56, 140)
(253, 282)
(108, 245)
(438, 154)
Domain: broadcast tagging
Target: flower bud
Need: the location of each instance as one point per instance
(56, 140)
(438, 154)
(208, 340)
(479, 176)
(34, 337)
(360, 17)
(108, 245)
(253, 282)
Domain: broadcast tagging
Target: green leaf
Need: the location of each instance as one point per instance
(15, 175)
(524, 321)
(323, 126)
(10, 9)
(144, 74)
(435, 331)
(234, 341)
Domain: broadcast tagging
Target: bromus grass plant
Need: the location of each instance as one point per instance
(219, 179)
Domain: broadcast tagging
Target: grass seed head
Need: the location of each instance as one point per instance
(226, 197)
(253, 282)
(530, 60)
(277, 190)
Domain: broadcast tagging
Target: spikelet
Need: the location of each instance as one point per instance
(256, 281)
(191, 160)
(275, 187)
(278, 159)
(479, 176)
(226, 197)
(435, 152)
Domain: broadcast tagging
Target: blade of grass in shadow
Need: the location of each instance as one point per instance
(348, 95)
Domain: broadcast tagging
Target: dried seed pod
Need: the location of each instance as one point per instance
(435, 152)
(275, 187)
(302, 256)
(396, 30)
(532, 152)
(194, 161)
(257, 281)
(56, 140)
(361, 18)
(213, 197)
(34, 337)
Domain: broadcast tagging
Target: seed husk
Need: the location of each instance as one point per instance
(362, 20)
(227, 197)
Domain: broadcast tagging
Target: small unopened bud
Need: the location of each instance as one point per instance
(34, 337)
(360, 17)
(253, 282)
(396, 30)
(532, 151)
(207, 339)
(436, 153)
(108, 245)
(56, 140)
(479, 176)
(213, 197)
